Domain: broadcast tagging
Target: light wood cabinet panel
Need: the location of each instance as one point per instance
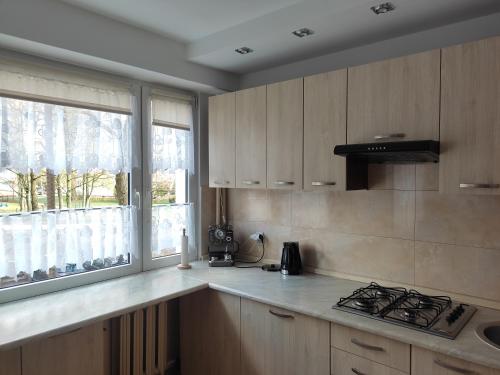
(325, 100)
(376, 348)
(251, 138)
(210, 333)
(221, 140)
(397, 96)
(278, 342)
(470, 120)
(344, 363)
(80, 352)
(425, 362)
(10, 362)
(285, 128)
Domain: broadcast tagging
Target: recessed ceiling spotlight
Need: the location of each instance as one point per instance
(303, 32)
(383, 8)
(243, 50)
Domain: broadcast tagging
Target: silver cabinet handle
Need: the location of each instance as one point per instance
(279, 315)
(357, 372)
(284, 182)
(389, 136)
(366, 346)
(453, 368)
(249, 182)
(221, 182)
(323, 183)
(479, 186)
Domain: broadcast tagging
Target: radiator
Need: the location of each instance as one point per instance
(142, 344)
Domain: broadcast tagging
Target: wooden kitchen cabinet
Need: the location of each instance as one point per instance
(375, 348)
(251, 155)
(10, 362)
(470, 120)
(79, 352)
(325, 99)
(210, 333)
(278, 342)
(221, 140)
(426, 362)
(395, 99)
(285, 128)
(344, 363)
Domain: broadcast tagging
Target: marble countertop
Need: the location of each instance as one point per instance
(308, 294)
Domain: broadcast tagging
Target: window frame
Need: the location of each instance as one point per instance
(148, 262)
(135, 186)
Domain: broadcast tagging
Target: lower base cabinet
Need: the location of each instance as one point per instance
(80, 352)
(10, 362)
(278, 342)
(210, 333)
(344, 363)
(425, 362)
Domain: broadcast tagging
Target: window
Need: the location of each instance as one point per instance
(170, 131)
(65, 178)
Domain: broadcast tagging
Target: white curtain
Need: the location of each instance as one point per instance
(172, 151)
(29, 242)
(38, 135)
(50, 84)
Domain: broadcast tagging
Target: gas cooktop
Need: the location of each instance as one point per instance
(438, 315)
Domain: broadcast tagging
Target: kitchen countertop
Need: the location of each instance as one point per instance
(308, 294)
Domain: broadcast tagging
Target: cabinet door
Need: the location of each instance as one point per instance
(210, 333)
(80, 352)
(10, 362)
(221, 140)
(325, 99)
(470, 120)
(425, 362)
(395, 99)
(285, 128)
(251, 138)
(278, 342)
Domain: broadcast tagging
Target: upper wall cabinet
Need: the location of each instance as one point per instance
(470, 118)
(251, 138)
(395, 99)
(221, 140)
(285, 134)
(325, 97)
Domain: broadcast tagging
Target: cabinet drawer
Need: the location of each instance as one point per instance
(344, 363)
(426, 362)
(388, 352)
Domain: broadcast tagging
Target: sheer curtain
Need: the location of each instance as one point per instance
(57, 240)
(172, 152)
(38, 135)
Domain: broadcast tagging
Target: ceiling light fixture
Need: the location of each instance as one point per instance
(243, 50)
(303, 32)
(383, 8)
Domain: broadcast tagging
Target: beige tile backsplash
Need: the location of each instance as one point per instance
(401, 231)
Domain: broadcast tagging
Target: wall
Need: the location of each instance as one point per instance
(456, 33)
(401, 231)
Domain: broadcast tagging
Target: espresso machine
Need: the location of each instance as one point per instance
(221, 246)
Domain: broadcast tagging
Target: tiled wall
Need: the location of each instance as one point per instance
(401, 231)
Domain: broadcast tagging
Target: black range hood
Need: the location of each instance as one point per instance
(405, 152)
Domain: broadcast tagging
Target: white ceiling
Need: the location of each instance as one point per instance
(212, 29)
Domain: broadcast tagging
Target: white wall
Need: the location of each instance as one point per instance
(457, 33)
(56, 30)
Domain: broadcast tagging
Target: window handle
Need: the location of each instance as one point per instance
(138, 199)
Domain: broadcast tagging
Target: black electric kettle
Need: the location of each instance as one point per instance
(291, 263)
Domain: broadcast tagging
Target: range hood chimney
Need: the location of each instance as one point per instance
(358, 156)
